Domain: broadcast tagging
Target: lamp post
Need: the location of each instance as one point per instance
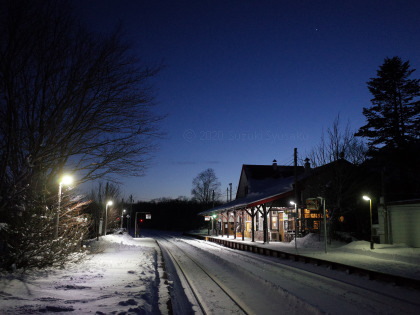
(325, 222)
(213, 217)
(294, 203)
(65, 180)
(370, 214)
(109, 203)
(122, 217)
(128, 223)
(135, 226)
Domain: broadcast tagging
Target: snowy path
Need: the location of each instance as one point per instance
(264, 285)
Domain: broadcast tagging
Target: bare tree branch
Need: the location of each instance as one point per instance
(69, 99)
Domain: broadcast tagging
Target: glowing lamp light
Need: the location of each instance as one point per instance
(66, 180)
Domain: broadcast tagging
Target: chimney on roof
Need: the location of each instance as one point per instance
(307, 165)
(275, 165)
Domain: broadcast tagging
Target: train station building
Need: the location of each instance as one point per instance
(273, 203)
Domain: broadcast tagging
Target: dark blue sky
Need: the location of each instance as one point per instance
(246, 81)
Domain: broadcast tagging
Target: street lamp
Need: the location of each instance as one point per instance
(294, 203)
(371, 227)
(65, 180)
(122, 217)
(109, 203)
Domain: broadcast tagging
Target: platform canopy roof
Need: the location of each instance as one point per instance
(269, 190)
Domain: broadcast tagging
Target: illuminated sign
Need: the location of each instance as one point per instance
(312, 204)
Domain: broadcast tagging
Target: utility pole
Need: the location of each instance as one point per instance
(131, 213)
(296, 195)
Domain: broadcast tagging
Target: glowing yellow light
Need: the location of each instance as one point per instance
(66, 180)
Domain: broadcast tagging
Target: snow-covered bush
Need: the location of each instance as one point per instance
(30, 239)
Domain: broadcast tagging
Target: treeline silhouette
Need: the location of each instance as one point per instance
(169, 214)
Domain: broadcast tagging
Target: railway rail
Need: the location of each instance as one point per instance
(214, 298)
(223, 280)
(264, 259)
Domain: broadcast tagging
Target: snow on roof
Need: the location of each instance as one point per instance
(404, 202)
(268, 183)
(268, 190)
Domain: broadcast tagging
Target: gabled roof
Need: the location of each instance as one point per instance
(268, 183)
(267, 171)
(333, 164)
(261, 177)
(283, 187)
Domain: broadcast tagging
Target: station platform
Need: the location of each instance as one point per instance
(397, 264)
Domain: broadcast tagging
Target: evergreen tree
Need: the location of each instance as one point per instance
(393, 119)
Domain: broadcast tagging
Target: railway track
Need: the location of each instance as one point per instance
(214, 297)
(282, 288)
(366, 286)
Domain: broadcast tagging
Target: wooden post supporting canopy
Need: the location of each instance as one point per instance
(234, 224)
(265, 225)
(252, 224)
(243, 225)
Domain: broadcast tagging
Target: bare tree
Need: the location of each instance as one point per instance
(206, 187)
(340, 142)
(99, 197)
(337, 180)
(69, 100)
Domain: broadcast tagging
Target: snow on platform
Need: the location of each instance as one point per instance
(397, 259)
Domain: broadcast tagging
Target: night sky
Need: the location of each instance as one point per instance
(246, 81)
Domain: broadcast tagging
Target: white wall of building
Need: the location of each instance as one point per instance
(403, 223)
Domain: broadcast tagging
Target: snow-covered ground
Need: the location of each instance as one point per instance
(126, 276)
(289, 286)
